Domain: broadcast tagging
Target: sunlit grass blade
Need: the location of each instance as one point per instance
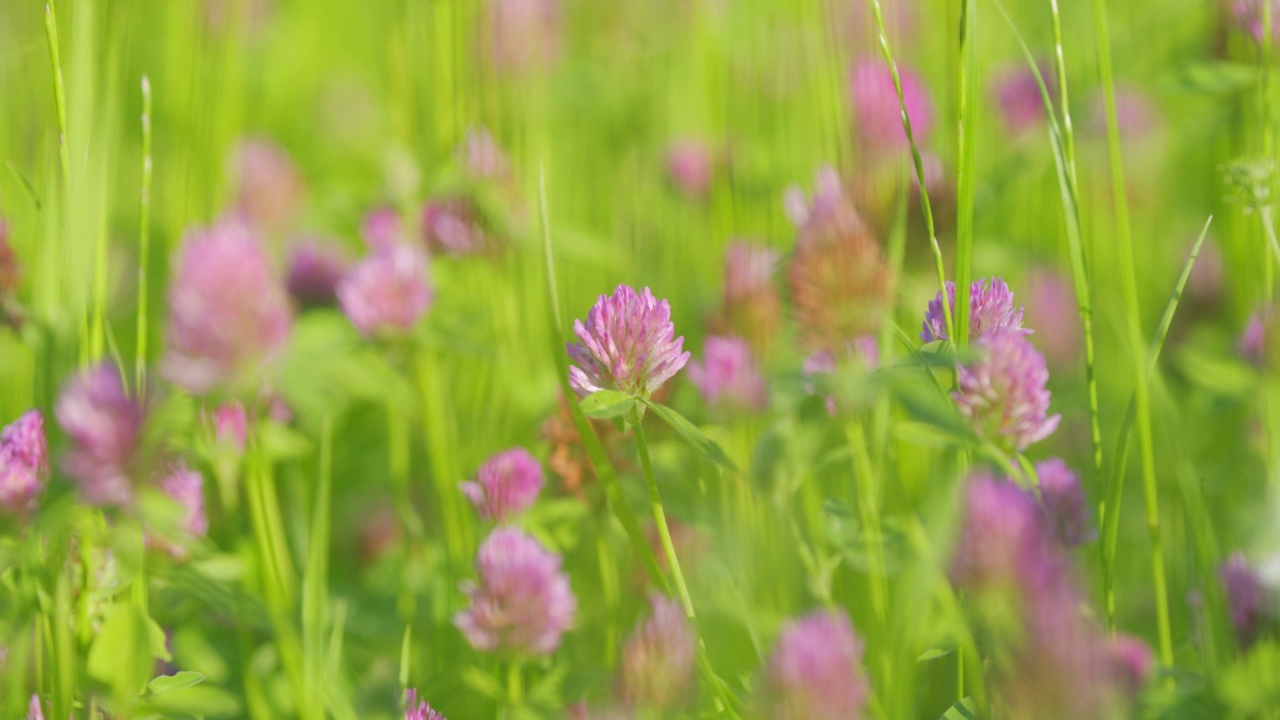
(144, 240)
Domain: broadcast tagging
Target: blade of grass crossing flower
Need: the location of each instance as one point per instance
(917, 161)
(595, 450)
(1064, 165)
(1115, 481)
(966, 181)
(144, 238)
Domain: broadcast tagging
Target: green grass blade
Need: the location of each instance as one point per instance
(144, 239)
(966, 182)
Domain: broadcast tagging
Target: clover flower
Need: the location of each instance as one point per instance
(815, 672)
(1003, 393)
(186, 487)
(1246, 597)
(451, 225)
(691, 166)
(387, 291)
(104, 425)
(626, 345)
(522, 603)
(752, 306)
(24, 462)
(990, 309)
(877, 114)
(228, 316)
(657, 663)
(728, 375)
(1062, 498)
(418, 710)
(314, 270)
(270, 188)
(506, 484)
(1017, 94)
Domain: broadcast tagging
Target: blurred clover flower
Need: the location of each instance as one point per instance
(483, 158)
(838, 278)
(815, 672)
(752, 306)
(990, 309)
(1018, 96)
(418, 710)
(658, 661)
(10, 279)
(382, 229)
(820, 367)
(34, 710)
(1048, 659)
(315, 268)
(228, 315)
(506, 485)
(1247, 17)
(1246, 597)
(877, 114)
(230, 423)
(104, 425)
(1253, 341)
(186, 487)
(728, 375)
(522, 603)
(691, 165)
(269, 188)
(1051, 307)
(24, 462)
(626, 345)
(451, 225)
(1062, 498)
(1003, 393)
(1136, 116)
(387, 292)
(523, 36)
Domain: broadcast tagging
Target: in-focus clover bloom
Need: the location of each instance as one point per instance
(522, 602)
(228, 315)
(418, 709)
(387, 291)
(877, 115)
(991, 309)
(506, 485)
(1062, 498)
(24, 462)
(658, 661)
(103, 423)
(815, 672)
(627, 344)
(315, 268)
(1003, 393)
(728, 375)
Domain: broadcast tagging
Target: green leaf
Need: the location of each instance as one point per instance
(966, 709)
(1211, 77)
(687, 430)
(605, 404)
(172, 683)
(935, 653)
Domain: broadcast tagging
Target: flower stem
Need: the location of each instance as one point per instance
(660, 516)
(515, 683)
(869, 510)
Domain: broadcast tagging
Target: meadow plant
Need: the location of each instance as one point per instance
(505, 485)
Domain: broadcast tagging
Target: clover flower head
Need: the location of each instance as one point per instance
(627, 344)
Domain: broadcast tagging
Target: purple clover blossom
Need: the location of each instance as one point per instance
(876, 111)
(24, 462)
(104, 424)
(1247, 16)
(523, 602)
(315, 267)
(450, 225)
(748, 271)
(1246, 596)
(815, 672)
(1002, 534)
(523, 35)
(1132, 662)
(483, 158)
(990, 309)
(828, 211)
(728, 375)
(418, 710)
(1064, 503)
(1253, 341)
(34, 710)
(270, 188)
(382, 229)
(1051, 307)
(626, 345)
(1018, 95)
(1003, 394)
(230, 424)
(186, 487)
(228, 316)
(506, 485)
(658, 661)
(691, 166)
(387, 291)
